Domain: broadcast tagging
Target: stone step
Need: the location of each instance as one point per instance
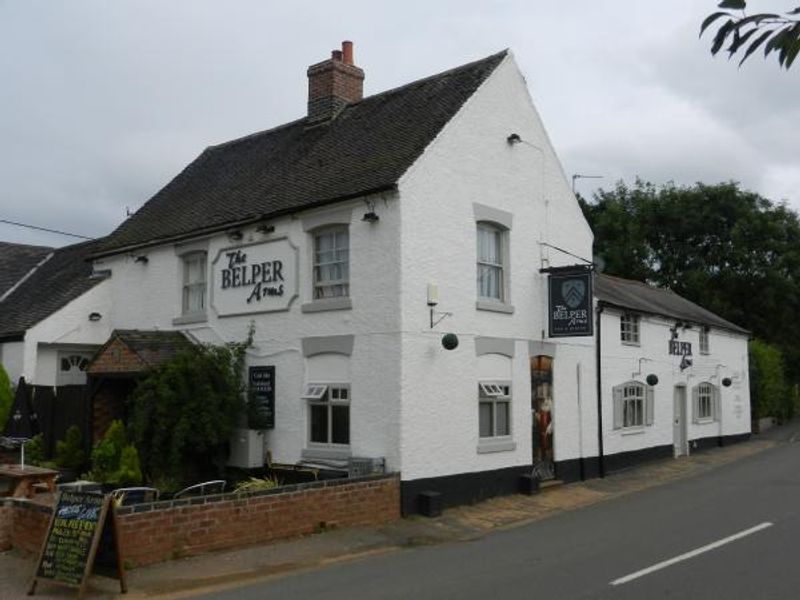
(550, 484)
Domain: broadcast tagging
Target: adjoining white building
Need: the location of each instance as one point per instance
(53, 313)
(355, 239)
(696, 361)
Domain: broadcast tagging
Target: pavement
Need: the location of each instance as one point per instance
(221, 570)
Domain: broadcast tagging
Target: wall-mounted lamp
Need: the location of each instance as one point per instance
(95, 316)
(370, 216)
(726, 382)
(141, 259)
(235, 235)
(265, 228)
(652, 379)
(513, 139)
(433, 301)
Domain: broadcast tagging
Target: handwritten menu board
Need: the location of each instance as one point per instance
(72, 539)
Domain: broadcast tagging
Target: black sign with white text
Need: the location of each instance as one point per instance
(570, 303)
(261, 414)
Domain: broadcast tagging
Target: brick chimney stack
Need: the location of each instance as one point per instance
(333, 84)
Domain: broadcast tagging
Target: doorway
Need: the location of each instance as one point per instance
(679, 434)
(542, 416)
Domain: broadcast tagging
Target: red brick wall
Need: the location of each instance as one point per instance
(29, 526)
(175, 528)
(230, 522)
(6, 523)
(117, 358)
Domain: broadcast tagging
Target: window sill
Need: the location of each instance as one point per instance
(634, 430)
(190, 318)
(343, 303)
(704, 420)
(489, 445)
(625, 343)
(326, 453)
(494, 306)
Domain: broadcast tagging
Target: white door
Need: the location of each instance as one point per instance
(679, 421)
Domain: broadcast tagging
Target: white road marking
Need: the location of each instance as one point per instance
(692, 554)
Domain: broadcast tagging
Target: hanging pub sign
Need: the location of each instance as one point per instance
(677, 348)
(254, 278)
(570, 302)
(261, 401)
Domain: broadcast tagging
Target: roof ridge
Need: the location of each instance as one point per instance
(394, 90)
(463, 67)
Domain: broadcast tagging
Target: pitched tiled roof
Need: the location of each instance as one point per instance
(638, 296)
(365, 149)
(56, 282)
(16, 261)
(153, 347)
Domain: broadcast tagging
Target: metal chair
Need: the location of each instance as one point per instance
(216, 486)
(134, 495)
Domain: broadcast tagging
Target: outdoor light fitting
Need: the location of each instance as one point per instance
(265, 228)
(370, 216)
(235, 235)
(513, 139)
(141, 259)
(95, 316)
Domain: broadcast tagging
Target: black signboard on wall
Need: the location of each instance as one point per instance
(570, 302)
(261, 413)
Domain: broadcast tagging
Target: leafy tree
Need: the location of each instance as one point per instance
(769, 393)
(6, 398)
(69, 451)
(779, 33)
(184, 411)
(107, 455)
(727, 249)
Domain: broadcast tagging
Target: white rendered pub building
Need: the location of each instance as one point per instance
(354, 240)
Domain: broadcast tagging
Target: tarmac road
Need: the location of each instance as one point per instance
(728, 533)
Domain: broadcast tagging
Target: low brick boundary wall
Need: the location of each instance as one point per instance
(159, 531)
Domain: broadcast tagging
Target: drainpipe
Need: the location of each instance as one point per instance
(600, 464)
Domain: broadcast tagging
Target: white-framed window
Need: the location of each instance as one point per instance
(329, 414)
(492, 262)
(629, 328)
(331, 262)
(194, 283)
(494, 409)
(633, 405)
(704, 345)
(705, 402)
(72, 369)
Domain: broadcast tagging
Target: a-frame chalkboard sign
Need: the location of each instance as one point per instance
(83, 528)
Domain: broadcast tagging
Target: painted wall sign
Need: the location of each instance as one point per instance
(261, 409)
(254, 278)
(570, 303)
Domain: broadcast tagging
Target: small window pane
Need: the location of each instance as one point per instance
(503, 421)
(486, 426)
(319, 423)
(340, 424)
(314, 391)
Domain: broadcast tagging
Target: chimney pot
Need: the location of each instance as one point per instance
(347, 52)
(333, 84)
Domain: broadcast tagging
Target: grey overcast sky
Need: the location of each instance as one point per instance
(102, 103)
